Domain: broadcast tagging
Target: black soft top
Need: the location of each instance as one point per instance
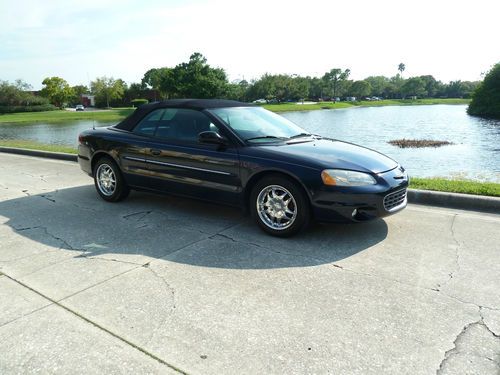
(198, 104)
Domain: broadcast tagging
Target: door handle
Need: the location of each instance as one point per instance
(155, 151)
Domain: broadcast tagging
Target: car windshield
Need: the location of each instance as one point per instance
(256, 124)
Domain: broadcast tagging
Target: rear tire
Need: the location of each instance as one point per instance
(279, 206)
(108, 180)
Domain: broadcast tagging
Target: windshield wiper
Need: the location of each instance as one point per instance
(266, 137)
(300, 135)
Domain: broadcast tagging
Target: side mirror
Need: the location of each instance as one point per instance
(212, 138)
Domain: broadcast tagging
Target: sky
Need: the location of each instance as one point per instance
(82, 40)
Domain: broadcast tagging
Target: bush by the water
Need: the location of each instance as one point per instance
(418, 143)
(27, 108)
(486, 99)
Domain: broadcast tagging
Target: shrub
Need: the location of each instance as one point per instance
(486, 98)
(25, 108)
(138, 102)
(37, 100)
(418, 143)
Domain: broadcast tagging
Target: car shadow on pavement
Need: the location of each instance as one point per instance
(145, 227)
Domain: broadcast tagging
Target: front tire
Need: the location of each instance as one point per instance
(109, 181)
(279, 206)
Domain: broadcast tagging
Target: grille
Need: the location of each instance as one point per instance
(395, 200)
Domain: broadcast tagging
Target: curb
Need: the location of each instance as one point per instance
(455, 200)
(426, 197)
(39, 153)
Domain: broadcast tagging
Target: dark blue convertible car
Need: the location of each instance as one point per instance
(243, 155)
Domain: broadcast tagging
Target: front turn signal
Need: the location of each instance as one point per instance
(327, 179)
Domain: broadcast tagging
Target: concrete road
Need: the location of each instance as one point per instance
(164, 285)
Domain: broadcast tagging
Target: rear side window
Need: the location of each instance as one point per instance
(176, 124)
(147, 126)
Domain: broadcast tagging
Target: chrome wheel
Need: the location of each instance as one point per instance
(276, 207)
(106, 179)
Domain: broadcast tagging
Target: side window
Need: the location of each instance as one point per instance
(165, 125)
(147, 126)
(184, 125)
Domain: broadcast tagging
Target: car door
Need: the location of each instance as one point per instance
(179, 163)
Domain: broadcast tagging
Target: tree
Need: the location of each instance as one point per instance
(459, 89)
(401, 68)
(78, 91)
(279, 87)
(151, 79)
(237, 90)
(486, 98)
(21, 85)
(161, 80)
(432, 86)
(167, 85)
(57, 90)
(12, 94)
(316, 87)
(397, 83)
(300, 88)
(360, 89)
(197, 79)
(414, 86)
(106, 89)
(134, 91)
(380, 85)
(335, 77)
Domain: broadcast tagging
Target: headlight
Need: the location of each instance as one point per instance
(340, 177)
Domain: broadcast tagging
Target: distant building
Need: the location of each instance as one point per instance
(151, 95)
(87, 100)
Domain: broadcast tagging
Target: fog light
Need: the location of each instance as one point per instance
(354, 212)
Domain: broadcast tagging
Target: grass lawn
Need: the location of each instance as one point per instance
(456, 186)
(115, 114)
(288, 107)
(37, 146)
(365, 103)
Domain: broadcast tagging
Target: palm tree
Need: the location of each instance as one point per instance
(401, 68)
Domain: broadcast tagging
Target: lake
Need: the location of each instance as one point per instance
(475, 153)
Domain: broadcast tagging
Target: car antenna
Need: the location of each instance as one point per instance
(93, 115)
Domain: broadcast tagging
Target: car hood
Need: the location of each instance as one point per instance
(327, 153)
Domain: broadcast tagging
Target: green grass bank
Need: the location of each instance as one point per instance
(116, 114)
(289, 107)
(456, 186)
(30, 145)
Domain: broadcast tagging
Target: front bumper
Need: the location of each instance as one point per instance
(362, 203)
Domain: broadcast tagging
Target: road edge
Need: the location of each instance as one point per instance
(40, 153)
(425, 197)
(459, 201)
